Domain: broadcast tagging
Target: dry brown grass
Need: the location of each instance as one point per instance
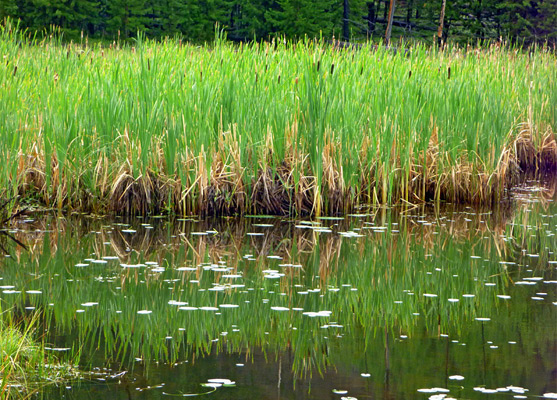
(289, 188)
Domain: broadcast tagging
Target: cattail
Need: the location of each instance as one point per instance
(332, 68)
(256, 77)
(449, 73)
(362, 70)
(201, 75)
(148, 65)
(318, 65)
(68, 54)
(279, 79)
(409, 74)
(15, 70)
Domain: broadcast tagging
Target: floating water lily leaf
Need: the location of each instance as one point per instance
(212, 384)
(189, 394)
(221, 381)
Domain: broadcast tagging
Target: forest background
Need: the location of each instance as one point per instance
(465, 21)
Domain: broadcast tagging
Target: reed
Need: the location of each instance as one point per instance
(25, 364)
(268, 128)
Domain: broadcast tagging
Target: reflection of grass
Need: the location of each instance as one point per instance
(385, 267)
(24, 362)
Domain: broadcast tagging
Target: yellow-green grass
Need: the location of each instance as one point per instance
(271, 128)
(25, 364)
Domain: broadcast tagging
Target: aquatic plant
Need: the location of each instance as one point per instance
(268, 128)
(25, 364)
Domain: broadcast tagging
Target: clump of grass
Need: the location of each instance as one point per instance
(24, 362)
(280, 128)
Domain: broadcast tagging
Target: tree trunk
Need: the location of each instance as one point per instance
(479, 18)
(441, 20)
(125, 22)
(417, 12)
(390, 22)
(345, 25)
(371, 17)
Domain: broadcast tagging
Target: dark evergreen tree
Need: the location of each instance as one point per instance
(166, 17)
(297, 18)
(465, 20)
(126, 17)
(8, 8)
(546, 26)
(248, 20)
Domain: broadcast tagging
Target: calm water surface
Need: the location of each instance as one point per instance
(386, 304)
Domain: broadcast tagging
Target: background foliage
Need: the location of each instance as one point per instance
(465, 20)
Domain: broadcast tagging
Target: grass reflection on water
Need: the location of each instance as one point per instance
(386, 290)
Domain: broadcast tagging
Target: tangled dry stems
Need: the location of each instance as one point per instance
(289, 188)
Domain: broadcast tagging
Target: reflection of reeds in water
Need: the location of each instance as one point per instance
(224, 239)
(229, 240)
(381, 266)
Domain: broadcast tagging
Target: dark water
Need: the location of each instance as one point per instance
(387, 304)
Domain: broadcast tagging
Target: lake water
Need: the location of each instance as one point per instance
(412, 303)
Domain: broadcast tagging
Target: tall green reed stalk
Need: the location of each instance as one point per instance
(167, 107)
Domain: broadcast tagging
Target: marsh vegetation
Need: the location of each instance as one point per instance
(296, 128)
(285, 216)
